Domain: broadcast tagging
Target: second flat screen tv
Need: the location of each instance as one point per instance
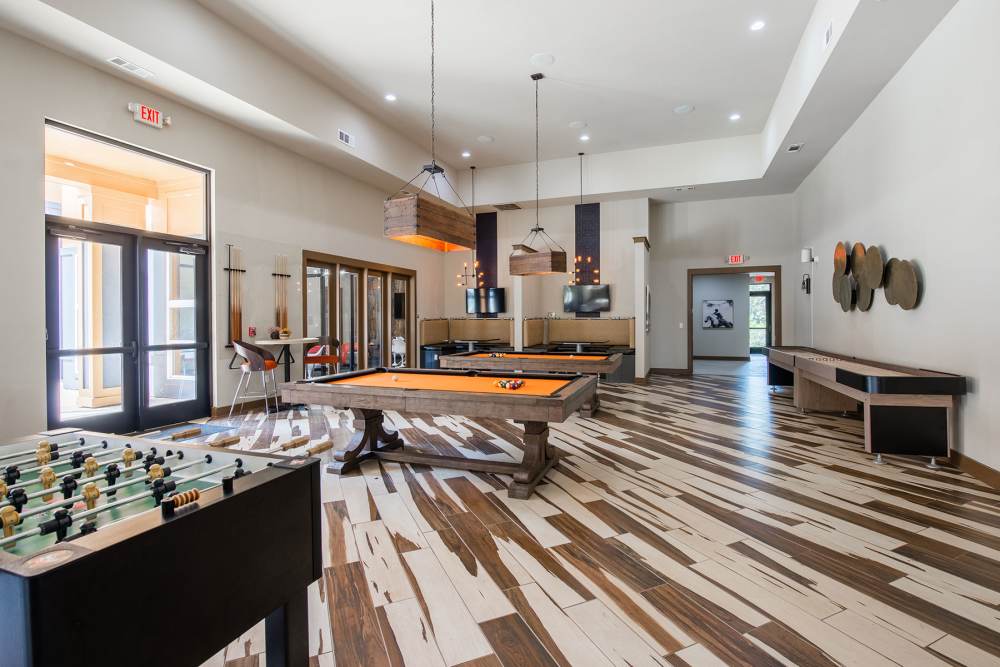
(485, 300)
(586, 298)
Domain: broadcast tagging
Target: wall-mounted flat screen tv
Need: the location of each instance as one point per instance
(485, 300)
(586, 298)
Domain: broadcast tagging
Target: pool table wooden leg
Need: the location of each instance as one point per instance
(539, 457)
(589, 409)
(370, 436)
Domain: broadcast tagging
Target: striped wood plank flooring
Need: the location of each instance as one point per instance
(693, 521)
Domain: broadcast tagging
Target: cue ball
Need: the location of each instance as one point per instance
(395, 378)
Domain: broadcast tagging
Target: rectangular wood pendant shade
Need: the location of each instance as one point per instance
(526, 261)
(414, 219)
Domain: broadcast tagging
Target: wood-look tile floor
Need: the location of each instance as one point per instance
(694, 521)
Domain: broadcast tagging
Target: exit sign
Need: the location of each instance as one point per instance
(736, 259)
(148, 115)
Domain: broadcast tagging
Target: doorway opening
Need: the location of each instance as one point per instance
(734, 314)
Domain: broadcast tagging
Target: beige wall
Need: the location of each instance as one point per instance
(918, 175)
(267, 200)
(703, 234)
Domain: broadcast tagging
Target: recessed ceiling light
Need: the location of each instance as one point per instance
(485, 139)
(69, 164)
(542, 59)
(757, 25)
(389, 97)
(795, 148)
(735, 117)
(466, 154)
(584, 137)
(683, 109)
(577, 124)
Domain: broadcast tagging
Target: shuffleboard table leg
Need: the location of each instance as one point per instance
(370, 437)
(539, 457)
(286, 633)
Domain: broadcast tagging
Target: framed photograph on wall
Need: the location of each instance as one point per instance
(717, 314)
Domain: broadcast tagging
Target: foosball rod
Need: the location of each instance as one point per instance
(55, 464)
(87, 480)
(69, 461)
(33, 458)
(29, 453)
(118, 503)
(104, 491)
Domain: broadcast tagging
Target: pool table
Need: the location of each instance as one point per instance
(543, 398)
(539, 362)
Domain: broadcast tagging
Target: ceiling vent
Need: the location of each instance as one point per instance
(795, 148)
(347, 138)
(507, 207)
(130, 67)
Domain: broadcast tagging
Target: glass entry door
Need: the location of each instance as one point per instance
(91, 338)
(127, 330)
(173, 347)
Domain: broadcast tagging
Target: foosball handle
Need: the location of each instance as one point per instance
(227, 484)
(320, 448)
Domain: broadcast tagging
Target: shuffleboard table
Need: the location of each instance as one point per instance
(543, 398)
(539, 362)
(907, 411)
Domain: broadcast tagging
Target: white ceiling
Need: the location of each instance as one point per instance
(619, 66)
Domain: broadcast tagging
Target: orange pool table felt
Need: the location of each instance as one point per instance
(514, 355)
(457, 383)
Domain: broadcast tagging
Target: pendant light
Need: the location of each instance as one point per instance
(526, 259)
(416, 219)
(471, 277)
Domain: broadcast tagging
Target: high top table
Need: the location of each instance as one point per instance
(286, 352)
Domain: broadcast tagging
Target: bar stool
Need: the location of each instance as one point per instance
(255, 359)
(398, 350)
(323, 353)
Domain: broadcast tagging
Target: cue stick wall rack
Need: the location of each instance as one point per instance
(234, 276)
(281, 276)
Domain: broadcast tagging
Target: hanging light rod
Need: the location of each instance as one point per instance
(526, 260)
(418, 220)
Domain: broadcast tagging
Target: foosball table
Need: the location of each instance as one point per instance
(124, 551)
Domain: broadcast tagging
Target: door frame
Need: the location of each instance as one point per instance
(729, 270)
(336, 262)
(768, 296)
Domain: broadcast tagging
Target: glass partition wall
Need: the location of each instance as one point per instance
(368, 305)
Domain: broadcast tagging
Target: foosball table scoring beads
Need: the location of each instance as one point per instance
(82, 472)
